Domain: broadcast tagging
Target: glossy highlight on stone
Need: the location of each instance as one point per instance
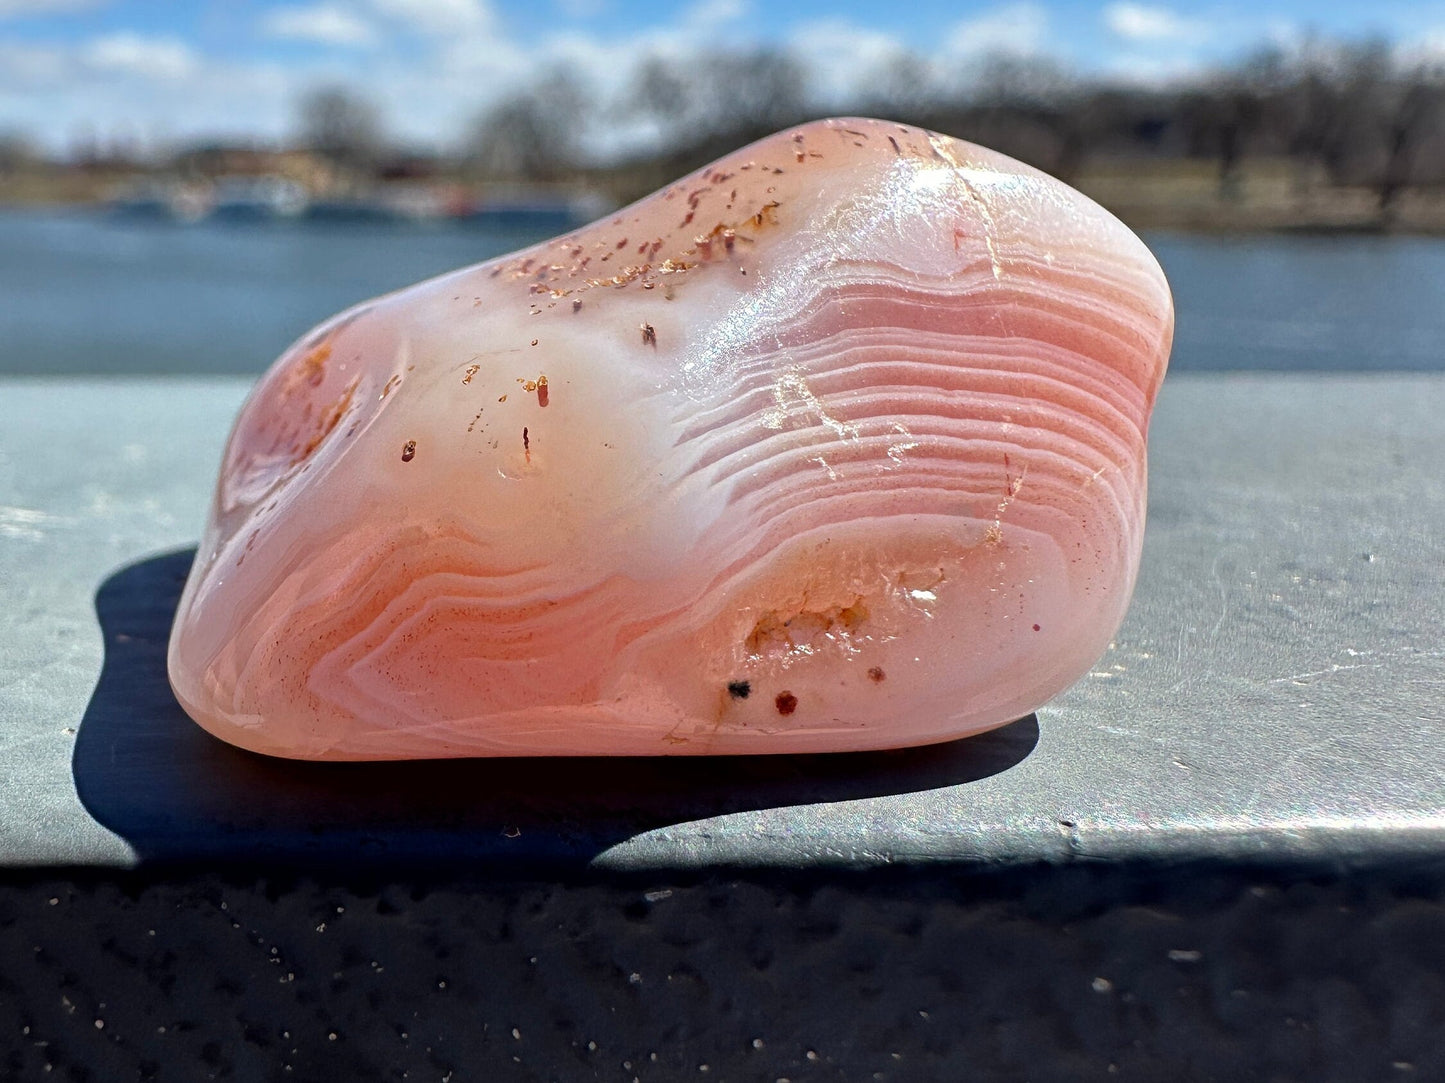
(837, 444)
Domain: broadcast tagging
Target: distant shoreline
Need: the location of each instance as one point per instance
(1268, 196)
(1184, 195)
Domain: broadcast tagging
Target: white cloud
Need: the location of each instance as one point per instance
(1018, 29)
(1151, 70)
(25, 67)
(1141, 22)
(436, 64)
(1427, 48)
(325, 24)
(847, 62)
(439, 17)
(1287, 35)
(11, 9)
(127, 53)
(146, 92)
(482, 57)
(491, 61)
(432, 89)
(705, 14)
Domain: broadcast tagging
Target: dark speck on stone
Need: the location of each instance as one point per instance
(739, 689)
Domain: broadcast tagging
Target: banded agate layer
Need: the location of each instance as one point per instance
(836, 444)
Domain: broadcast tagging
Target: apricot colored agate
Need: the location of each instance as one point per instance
(836, 444)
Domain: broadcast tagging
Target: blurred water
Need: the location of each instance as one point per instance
(87, 293)
(1344, 303)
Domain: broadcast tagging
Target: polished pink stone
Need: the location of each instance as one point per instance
(836, 444)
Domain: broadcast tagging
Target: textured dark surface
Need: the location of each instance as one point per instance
(1062, 974)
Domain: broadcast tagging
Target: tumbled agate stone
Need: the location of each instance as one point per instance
(836, 444)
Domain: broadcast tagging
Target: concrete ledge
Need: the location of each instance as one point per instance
(1277, 694)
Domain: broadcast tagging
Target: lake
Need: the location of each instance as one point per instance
(83, 292)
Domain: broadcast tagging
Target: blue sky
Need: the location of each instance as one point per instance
(156, 71)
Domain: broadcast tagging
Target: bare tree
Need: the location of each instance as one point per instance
(1220, 121)
(902, 87)
(736, 95)
(664, 94)
(1303, 111)
(342, 127)
(753, 92)
(1021, 80)
(1414, 114)
(534, 134)
(1024, 106)
(17, 152)
(1354, 151)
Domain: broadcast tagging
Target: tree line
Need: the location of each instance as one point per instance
(1356, 114)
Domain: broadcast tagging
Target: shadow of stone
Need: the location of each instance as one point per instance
(177, 794)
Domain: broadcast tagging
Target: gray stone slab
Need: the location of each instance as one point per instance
(1277, 693)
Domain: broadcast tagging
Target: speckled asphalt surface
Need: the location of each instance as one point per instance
(1045, 974)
